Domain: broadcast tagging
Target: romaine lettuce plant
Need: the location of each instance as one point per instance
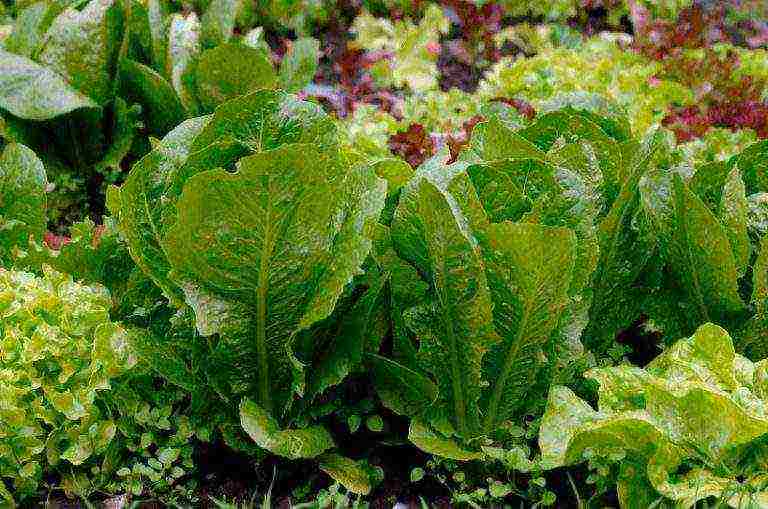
(258, 221)
(490, 262)
(690, 426)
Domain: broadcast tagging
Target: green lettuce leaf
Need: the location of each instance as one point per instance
(699, 405)
(22, 200)
(529, 271)
(459, 328)
(82, 46)
(228, 71)
(31, 91)
(236, 240)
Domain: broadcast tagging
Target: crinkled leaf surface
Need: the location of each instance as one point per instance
(698, 404)
(459, 330)
(702, 259)
(432, 442)
(357, 476)
(509, 187)
(308, 442)
(278, 237)
(529, 269)
(492, 140)
(143, 202)
(146, 202)
(625, 248)
(266, 119)
(564, 126)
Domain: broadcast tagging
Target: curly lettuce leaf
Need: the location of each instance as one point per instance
(698, 405)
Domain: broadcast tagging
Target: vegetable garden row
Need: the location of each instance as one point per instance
(288, 239)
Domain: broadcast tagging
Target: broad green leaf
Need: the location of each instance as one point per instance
(82, 46)
(565, 126)
(34, 92)
(430, 441)
(693, 409)
(22, 199)
(625, 248)
(145, 205)
(707, 357)
(280, 238)
(565, 415)
(401, 389)
(457, 191)
(459, 327)
(30, 27)
(143, 202)
(702, 259)
(733, 214)
(353, 475)
(508, 188)
(299, 64)
(218, 22)
(529, 269)
(266, 119)
(308, 442)
(492, 141)
(633, 487)
(161, 105)
(229, 71)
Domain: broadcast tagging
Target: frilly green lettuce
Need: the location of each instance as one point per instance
(414, 62)
(598, 67)
(691, 425)
(60, 353)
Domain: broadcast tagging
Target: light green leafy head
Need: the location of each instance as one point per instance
(691, 425)
(59, 352)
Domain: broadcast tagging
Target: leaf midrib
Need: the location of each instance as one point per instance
(683, 225)
(498, 389)
(456, 368)
(261, 309)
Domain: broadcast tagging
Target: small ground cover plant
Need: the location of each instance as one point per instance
(355, 253)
